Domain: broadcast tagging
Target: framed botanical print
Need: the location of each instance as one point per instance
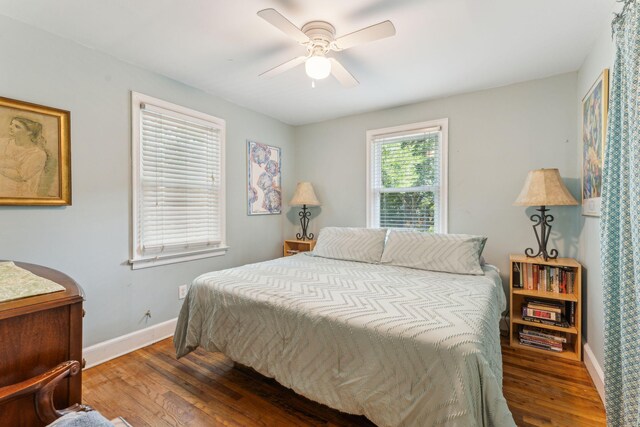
(264, 194)
(35, 155)
(594, 128)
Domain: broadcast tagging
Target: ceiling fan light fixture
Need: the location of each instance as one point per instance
(318, 67)
(319, 38)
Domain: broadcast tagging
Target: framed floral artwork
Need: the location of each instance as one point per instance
(264, 194)
(594, 128)
(35, 156)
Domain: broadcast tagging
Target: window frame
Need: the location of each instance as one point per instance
(372, 221)
(138, 259)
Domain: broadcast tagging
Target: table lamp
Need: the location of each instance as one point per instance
(543, 188)
(304, 196)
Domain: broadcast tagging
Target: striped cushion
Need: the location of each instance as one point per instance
(451, 253)
(351, 244)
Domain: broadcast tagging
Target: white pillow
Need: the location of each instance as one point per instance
(451, 253)
(351, 244)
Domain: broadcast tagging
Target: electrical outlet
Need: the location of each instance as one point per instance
(182, 291)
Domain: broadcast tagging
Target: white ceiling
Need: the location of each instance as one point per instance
(442, 47)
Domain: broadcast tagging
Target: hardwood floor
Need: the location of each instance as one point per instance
(149, 387)
(548, 391)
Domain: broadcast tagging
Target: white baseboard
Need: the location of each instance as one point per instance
(116, 347)
(594, 369)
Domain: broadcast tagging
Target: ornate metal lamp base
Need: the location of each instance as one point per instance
(304, 222)
(543, 220)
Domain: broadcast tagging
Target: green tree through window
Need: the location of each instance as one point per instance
(409, 179)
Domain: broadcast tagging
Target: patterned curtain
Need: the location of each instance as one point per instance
(620, 226)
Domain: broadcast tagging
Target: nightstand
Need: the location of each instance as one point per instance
(546, 301)
(292, 247)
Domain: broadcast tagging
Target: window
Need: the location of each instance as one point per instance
(407, 177)
(178, 183)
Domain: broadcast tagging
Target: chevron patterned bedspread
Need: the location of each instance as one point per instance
(403, 347)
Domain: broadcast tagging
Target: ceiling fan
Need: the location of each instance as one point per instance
(319, 38)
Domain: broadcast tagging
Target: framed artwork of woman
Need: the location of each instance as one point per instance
(35, 155)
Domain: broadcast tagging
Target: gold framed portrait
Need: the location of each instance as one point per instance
(35, 154)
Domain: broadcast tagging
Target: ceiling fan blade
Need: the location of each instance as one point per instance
(365, 35)
(342, 75)
(283, 24)
(284, 67)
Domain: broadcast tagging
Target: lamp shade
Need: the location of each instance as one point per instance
(304, 195)
(544, 187)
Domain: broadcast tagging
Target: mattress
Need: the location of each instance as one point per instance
(403, 347)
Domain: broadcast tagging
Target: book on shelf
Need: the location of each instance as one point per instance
(552, 345)
(572, 312)
(516, 275)
(549, 312)
(541, 314)
(539, 338)
(571, 280)
(560, 324)
(552, 278)
(544, 307)
(539, 346)
(533, 331)
(542, 304)
(535, 277)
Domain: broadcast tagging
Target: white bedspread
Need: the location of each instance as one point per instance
(404, 347)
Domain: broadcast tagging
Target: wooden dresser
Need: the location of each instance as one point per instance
(36, 334)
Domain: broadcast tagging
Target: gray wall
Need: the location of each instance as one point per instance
(601, 57)
(495, 137)
(90, 239)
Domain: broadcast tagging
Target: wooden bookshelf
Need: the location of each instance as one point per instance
(572, 349)
(293, 247)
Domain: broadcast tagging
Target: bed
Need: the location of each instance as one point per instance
(402, 346)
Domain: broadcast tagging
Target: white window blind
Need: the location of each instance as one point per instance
(407, 177)
(179, 182)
